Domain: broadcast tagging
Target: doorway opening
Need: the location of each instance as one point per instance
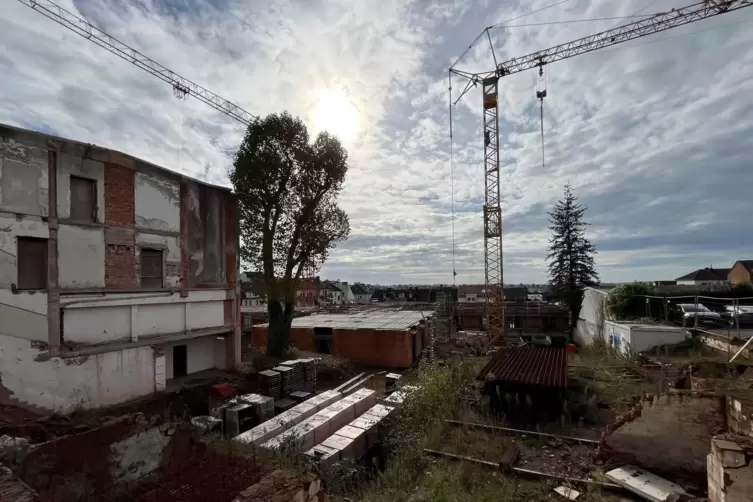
(180, 361)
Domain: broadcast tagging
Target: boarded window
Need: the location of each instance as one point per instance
(151, 268)
(83, 199)
(32, 263)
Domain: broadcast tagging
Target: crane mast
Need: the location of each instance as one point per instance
(489, 81)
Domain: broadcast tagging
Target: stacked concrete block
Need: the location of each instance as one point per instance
(399, 396)
(286, 379)
(288, 419)
(729, 468)
(352, 441)
(264, 405)
(270, 383)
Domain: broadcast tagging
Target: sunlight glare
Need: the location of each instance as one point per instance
(336, 114)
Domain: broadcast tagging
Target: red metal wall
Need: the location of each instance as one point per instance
(371, 348)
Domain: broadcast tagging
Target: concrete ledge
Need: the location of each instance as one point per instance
(141, 342)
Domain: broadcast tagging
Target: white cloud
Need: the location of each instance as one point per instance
(653, 134)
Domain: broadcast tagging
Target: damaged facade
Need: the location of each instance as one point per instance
(115, 275)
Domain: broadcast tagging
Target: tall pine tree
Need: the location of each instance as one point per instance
(571, 254)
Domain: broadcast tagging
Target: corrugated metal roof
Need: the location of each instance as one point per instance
(528, 365)
(388, 320)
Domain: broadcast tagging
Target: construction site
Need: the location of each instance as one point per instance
(129, 371)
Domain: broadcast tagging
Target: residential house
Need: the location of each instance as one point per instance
(308, 292)
(116, 275)
(330, 293)
(471, 293)
(360, 293)
(741, 272)
(705, 277)
(348, 296)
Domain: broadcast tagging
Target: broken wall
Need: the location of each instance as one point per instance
(668, 434)
(157, 203)
(65, 384)
(730, 469)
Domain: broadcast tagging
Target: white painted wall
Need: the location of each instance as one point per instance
(642, 337)
(157, 203)
(592, 317)
(101, 319)
(81, 257)
(202, 353)
(65, 384)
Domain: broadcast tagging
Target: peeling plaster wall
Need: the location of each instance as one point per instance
(206, 263)
(171, 255)
(157, 203)
(24, 313)
(23, 178)
(64, 384)
(81, 257)
(73, 163)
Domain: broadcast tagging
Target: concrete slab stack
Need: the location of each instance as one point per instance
(288, 419)
(317, 428)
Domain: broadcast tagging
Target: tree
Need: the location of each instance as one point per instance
(628, 301)
(571, 254)
(289, 219)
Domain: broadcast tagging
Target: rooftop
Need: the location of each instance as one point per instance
(387, 320)
(528, 365)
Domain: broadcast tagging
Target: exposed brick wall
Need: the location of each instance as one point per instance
(120, 251)
(119, 196)
(120, 266)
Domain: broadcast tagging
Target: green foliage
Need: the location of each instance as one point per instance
(289, 217)
(628, 301)
(571, 254)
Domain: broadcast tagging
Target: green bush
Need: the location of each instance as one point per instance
(628, 301)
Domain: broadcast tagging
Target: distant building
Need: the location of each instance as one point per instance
(360, 294)
(346, 290)
(252, 289)
(741, 272)
(704, 277)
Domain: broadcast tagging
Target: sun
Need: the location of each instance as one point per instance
(336, 114)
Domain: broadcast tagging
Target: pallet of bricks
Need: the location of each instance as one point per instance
(297, 375)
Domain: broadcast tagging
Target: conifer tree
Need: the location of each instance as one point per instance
(571, 254)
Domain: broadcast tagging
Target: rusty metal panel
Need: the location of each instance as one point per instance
(528, 365)
(32, 263)
(83, 199)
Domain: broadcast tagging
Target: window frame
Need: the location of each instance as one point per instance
(161, 267)
(23, 255)
(92, 218)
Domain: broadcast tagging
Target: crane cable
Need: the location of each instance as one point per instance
(452, 178)
(540, 95)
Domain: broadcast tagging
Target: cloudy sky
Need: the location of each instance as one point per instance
(654, 135)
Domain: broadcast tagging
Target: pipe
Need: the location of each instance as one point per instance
(520, 470)
(741, 349)
(523, 432)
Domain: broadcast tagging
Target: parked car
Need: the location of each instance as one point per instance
(689, 312)
(740, 313)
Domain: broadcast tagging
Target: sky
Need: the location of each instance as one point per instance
(654, 135)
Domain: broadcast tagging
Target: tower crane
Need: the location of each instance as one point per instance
(182, 87)
(489, 81)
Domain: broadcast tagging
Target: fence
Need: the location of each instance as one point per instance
(730, 316)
